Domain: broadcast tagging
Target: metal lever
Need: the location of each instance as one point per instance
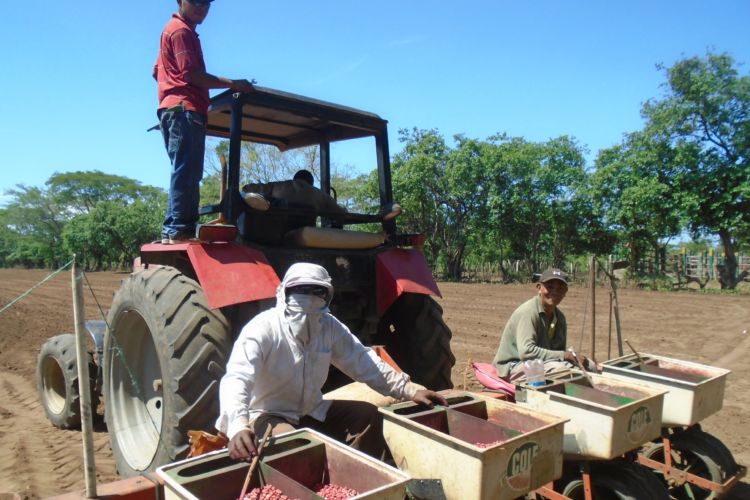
(583, 368)
(640, 359)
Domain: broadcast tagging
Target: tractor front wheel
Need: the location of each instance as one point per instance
(165, 352)
(57, 381)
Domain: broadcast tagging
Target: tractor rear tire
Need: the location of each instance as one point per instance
(57, 381)
(165, 352)
(418, 340)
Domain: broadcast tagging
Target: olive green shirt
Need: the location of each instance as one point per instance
(525, 337)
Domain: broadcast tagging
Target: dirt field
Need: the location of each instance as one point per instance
(37, 460)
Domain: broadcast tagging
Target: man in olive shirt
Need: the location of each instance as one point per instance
(537, 330)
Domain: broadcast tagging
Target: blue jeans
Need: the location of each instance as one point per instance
(185, 139)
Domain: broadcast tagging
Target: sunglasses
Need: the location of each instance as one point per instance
(201, 3)
(317, 290)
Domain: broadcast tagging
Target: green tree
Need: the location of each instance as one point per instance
(538, 201)
(35, 219)
(80, 192)
(464, 205)
(705, 118)
(416, 174)
(634, 191)
(110, 235)
(484, 199)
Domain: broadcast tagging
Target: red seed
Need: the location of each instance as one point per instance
(267, 492)
(487, 445)
(334, 491)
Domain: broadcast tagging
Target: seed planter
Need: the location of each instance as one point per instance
(695, 391)
(479, 448)
(605, 421)
(295, 463)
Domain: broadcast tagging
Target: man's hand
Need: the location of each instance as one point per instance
(429, 398)
(585, 363)
(242, 445)
(241, 86)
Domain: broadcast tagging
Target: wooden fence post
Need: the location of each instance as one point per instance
(84, 390)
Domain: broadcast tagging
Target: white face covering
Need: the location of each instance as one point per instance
(300, 314)
(303, 314)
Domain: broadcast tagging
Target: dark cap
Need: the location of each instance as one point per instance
(553, 274)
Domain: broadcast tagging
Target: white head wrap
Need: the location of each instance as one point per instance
(301, 315)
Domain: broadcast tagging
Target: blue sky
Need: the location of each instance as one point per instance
(77, 92)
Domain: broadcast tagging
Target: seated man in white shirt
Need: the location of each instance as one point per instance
(279, 365)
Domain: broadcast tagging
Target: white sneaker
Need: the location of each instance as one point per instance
(178, 238)
(392, 212)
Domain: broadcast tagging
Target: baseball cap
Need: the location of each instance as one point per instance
(553, 274)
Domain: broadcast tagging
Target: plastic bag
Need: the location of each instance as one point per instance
(202, 442)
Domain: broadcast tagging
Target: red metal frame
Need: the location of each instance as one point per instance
(402, 270)
(383, 354)
(680, 477)
(548, 490)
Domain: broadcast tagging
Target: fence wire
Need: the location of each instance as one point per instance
(115, 344)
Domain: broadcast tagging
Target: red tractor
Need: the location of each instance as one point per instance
(173, 321)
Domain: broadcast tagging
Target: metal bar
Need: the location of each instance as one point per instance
(548, 491)
(592, 277)
(680, 477)
(588, 490)
(232, 197)
(325, 166)
(609, 331)
(667, 443)
(618, 328)
(84, 391)
(384, 177)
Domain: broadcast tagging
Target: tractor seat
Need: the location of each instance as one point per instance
(326, 237)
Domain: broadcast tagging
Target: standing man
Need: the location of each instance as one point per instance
(537, 330)
(280, 362)
(183, 85)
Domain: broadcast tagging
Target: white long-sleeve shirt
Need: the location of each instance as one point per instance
(271, 372)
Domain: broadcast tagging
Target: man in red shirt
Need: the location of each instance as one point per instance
(183, 85)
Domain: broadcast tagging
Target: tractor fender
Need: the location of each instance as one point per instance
(399, 271)
(96, 329)
(227, 272)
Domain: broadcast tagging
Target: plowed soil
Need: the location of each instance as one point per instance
(38, 460)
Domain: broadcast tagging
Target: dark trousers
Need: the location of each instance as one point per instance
(355, 423)
(184, 135)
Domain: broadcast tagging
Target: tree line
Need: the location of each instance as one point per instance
(492, 200)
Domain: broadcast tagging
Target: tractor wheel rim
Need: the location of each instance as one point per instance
(136, 387)
(53, 385)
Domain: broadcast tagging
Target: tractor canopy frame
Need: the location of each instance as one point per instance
(290, 121)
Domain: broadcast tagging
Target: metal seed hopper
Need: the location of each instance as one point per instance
(606, 420)
(695, 391)
(294, 463)
(479, 448)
